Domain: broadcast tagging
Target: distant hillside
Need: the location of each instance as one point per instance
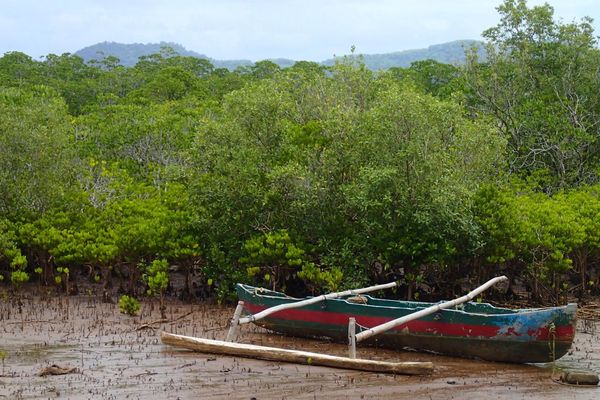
(128, 54)
(447, 53)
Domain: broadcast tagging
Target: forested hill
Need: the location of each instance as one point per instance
(447, 53)
(128, 54)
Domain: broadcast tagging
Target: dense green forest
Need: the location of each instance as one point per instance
(309, 178)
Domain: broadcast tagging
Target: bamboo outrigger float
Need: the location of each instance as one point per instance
(282, 313)
(294, 356)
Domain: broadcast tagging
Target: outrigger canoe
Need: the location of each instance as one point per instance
(471, 330)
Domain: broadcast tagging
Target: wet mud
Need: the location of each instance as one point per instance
(121, 357)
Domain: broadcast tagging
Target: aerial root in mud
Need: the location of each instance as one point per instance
(589, 311)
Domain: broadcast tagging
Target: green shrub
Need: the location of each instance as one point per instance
(320, 280)
(19, 277)
(274, 255)
(129, 305)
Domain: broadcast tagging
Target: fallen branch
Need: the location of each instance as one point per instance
(29, 321)
(57, 370)
(590, 311)
(145, 373)
(187, 365)
(218, 328)
(148, 325)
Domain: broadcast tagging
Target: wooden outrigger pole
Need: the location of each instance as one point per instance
(294, 356)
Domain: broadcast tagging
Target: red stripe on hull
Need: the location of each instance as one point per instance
(418, 326)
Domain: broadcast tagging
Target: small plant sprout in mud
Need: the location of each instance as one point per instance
(18, 276)
(157, 278)
(62, 278)
(2, 357)
(129, 305)
(39, 271)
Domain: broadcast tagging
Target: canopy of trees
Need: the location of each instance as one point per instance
(309, 178)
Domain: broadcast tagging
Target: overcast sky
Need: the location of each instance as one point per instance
(256, 29)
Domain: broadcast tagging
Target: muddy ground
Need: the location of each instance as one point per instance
(121, 357)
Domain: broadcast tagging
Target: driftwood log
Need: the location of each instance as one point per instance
(57, 370)
(294, 356)
(580, 378)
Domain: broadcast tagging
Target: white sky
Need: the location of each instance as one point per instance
(256, 29)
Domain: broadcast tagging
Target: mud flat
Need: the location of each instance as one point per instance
(120, 357)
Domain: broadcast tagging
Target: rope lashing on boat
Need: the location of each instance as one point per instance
(552, 341)
(360, 328)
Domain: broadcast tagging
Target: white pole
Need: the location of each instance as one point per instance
(376, 330)
(235, 323)
(302, 303)
(287, 355)
(352, 337)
